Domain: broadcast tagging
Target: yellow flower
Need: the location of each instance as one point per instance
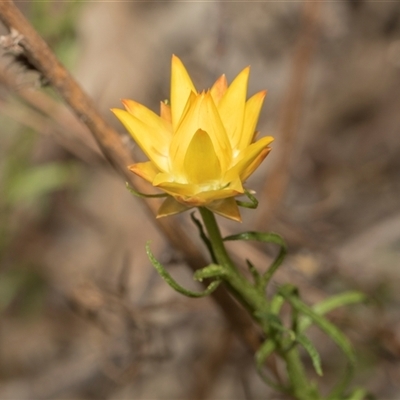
(200, 148)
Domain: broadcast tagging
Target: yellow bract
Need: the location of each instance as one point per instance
(201, 147)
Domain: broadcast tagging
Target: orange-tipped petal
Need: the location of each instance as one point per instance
(246, 164)
(226, 208)
(219, 88)
(251, 115)
(170, 207)
(147, 116)
(146, 170)
(254, 165)
(165, 112)
(181, 87)
(232, 106)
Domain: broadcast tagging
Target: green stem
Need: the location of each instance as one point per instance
(243, 290)
(301, 387)
(256, 302)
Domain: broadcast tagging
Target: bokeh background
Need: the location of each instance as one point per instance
(83, 313)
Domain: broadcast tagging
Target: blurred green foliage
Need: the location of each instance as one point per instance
(37, 182)
(22, 290)
(27, 190)
(55, 21)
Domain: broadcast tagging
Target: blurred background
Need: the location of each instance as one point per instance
(83, 313)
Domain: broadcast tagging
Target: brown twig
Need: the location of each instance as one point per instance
(55, 118)
(291, 108)
(39, 123)
(41, 56)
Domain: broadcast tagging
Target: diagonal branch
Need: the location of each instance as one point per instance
(41, 56)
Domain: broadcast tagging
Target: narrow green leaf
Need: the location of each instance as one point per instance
(265, 350)
(269, 237)
(171, 282)
(254, 272)
(333, 302)
(211, 271)
(312, 352)
(138, 194)
(253, 203)
(340, 300)
(331, 330)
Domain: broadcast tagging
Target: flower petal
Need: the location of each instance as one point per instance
(235, 185)
(201, 163)
(206, 197)
(210, 121)
(170, 207)
(227, 208)
(166, 182)
(194, 195)
(251, 114)
(181, 87)
(232, 106)
(146, 170)
(183, 136)
(151, 140)
(200, 147)
(148, 117)
(218, 89)
(188, 106)
(249, 160)
(254, 165)
(165, 112)
(183, 193)
(201, 114)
